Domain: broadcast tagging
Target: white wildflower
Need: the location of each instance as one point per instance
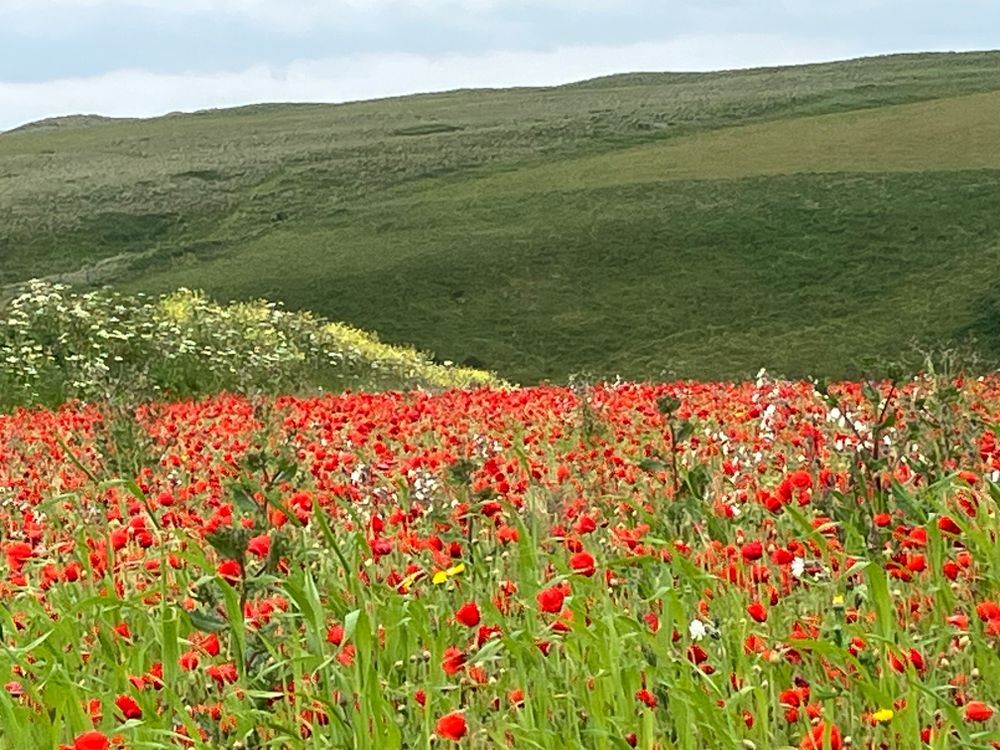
(697, 629)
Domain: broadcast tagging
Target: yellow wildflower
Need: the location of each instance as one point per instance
(443, 575)
(883, 715)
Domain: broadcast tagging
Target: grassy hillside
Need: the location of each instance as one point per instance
(803, 218)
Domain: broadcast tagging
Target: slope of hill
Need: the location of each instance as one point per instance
(802, 218)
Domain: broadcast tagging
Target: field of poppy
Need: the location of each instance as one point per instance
(687, 565)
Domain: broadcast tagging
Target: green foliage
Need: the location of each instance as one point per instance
(57, 345)
(697, 225)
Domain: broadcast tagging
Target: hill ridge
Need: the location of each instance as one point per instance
(83, 120)
(62, 122)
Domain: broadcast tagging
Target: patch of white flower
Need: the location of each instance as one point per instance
(697, 630)
(423, 485)
(57, 344)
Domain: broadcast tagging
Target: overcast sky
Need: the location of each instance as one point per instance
(147, 57)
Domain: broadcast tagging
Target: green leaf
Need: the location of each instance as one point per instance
(351, 623)
(667, 405)
(244, 500)
(685, 431)
(226, 545)
(488, 651)
(878, 585)
(171, 644)
(857, 567)
(207, 623)
(237, 623)
(872, 394)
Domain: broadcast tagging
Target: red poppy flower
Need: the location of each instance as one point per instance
(988, 610)
(188, 660)
(816, 739)
(757, 611)
(585, 525)
(335, 634)
(230, 571)
(222, 673)
(468, 615)
(17, 554)
(260, 545)
(128, 706)
(92, 740)
(800, 479)
(968, 476)
(950, 570)
(346, 655)
(977, 711)
(947, 525)
(211, 644)
(646, 697)
(507, 534)
(583, 563)
(452, 660)
(551, 599)
(452, 726)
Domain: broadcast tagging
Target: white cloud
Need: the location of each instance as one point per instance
(314, 7)
(140, 93)
(286, 15)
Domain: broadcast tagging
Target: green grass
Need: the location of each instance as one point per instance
(943, 134)
(702, 225)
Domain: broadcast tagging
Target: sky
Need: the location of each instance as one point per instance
(142, 58)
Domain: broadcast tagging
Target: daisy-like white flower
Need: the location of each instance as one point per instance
(798, 567)
(697, 629)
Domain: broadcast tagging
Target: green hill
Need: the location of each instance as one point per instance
(704, 225)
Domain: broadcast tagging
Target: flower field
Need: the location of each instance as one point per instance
(689, 565)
